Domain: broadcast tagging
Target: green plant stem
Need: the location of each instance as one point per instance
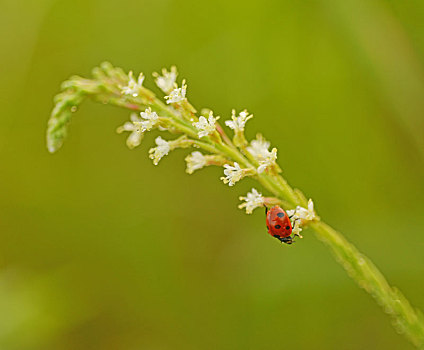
(407, 320)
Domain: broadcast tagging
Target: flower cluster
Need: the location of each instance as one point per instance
(162, 149)
(237, 157)
(301, 216)
(145, 121)
(195, 161)
(150, 120)
(232, 174)
(235, 173)
(136, 135)
(166, 81)
(133, 87)
(269, 161)
(205, 126)
(238, 123)
(177, 95)
(252, 200)
(259, 149)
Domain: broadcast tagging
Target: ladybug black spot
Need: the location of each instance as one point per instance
(277, 226)
(280, 215)
(287, 227)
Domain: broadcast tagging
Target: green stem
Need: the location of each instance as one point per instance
(287, 191)
(408, 320)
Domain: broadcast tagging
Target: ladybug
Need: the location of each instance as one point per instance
(278, 224)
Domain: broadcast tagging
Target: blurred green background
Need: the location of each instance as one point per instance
(99, 249)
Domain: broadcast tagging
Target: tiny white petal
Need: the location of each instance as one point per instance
(177, 95)
(311, 208)
(206, 126)
(195, 161)
(261, 168)
(259, 148)
(134, 139)
(136, 135)
(268, 161)
(133, 87)
(252, 200)
(160, 151)
(232, 174)
(303, 213)
(297, 229)
(134, 117)
(238, 123)
(150, 119)
(166, 81)
(127, 126)
(290, 212)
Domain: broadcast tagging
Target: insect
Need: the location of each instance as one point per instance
(278, 224)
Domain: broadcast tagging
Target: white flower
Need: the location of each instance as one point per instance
(161, 150)
(205, 126)
(291, 212)
(177, 95)
(238, 123)
(134, 139)
(166, 81)
(259, 148)
(268, 161)
(297, 229)
(195, 161)
(150, 120)
(253, 200)
(302, 213)
(232, 174)
(306, 214)
(301, 216)
(133, 86)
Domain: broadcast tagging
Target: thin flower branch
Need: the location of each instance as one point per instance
(238, 159)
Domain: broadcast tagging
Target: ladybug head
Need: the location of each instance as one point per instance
(286, 240)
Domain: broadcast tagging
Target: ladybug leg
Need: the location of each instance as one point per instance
(266, 210)
(294, 225)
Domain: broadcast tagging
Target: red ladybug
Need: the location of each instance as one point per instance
(278, 224)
